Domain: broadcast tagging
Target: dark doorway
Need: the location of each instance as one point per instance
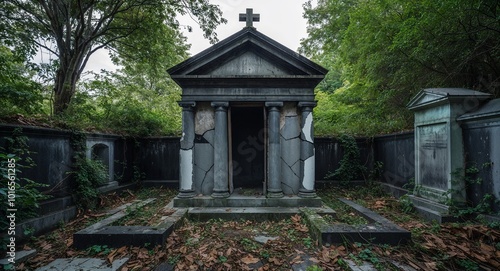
(248, 147)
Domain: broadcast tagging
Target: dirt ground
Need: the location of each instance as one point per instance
(231, 245)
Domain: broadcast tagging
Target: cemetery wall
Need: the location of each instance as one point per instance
(482, 161)
(395, 156)
(157, 159)
(329, 153)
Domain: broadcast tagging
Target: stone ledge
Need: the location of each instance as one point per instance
(379, 231)
(237, 201)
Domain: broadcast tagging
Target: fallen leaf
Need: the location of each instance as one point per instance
(249, 259)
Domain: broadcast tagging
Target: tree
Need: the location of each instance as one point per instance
(20, 94)
(382, 52)
(75, 29)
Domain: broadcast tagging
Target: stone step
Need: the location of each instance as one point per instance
(237, 201)
(249, 213)
(84, 264)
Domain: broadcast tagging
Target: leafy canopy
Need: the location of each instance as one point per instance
(380, 53)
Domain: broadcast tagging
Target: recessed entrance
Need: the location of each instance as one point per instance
(248, 146)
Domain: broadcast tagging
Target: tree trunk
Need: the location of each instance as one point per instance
(64, 89)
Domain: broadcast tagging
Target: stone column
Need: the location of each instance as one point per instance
(307, 163)
(221, 173)
(274, 151)
(186, 173)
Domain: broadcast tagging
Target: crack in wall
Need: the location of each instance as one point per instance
(295, 137)
(205, 177)
(291, 169)
(291, 188)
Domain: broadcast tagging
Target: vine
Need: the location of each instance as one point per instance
(27, 193)
(88, 174)
(350, 165)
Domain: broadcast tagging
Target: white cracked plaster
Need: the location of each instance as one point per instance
(182, 137)
(306, 130)
(186, 175)
(308, 179)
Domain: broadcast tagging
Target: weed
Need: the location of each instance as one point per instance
(98, 249)
(467, 264)
(314, 268)
(435, 227)
(308, 242)
(343, 264)
(406, 204)
(173, 260)
(222, 259)
(248, 244)
(265, 254)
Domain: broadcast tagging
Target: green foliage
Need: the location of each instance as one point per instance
(88, 175)
(20, 94)
(17, 156)
(314, 268)
(99, 250)
(14, 158)
(350, 165)
(380, 53)
(406, 204)
(467, 264)
(74, 30)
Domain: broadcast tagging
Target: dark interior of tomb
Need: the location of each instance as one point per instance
(247, 128)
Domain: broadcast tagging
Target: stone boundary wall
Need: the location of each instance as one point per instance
(156, 159)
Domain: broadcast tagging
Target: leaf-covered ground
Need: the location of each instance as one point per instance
(231, 245)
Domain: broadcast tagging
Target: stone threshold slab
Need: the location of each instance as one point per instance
(249, 213)
(380, 230)
(102, 234)
(236, 201)
(84, 264)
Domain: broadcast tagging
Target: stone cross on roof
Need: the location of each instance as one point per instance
(249, 17)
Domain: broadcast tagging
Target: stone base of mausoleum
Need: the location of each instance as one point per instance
(236, 200)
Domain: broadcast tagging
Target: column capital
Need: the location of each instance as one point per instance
(186, 105)
(220, 105)
(274, 104)
(307, 106)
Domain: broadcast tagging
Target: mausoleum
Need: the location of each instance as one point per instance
(247, 117)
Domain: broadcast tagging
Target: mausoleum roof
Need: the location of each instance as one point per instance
(247, 59)
(435, 96)
(489, 110)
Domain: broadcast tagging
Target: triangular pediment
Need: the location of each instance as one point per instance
(248, 54)
(248, 63)
(424, 98)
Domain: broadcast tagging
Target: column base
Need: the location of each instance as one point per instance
(220, 194)
(186, 194)
(303, 193)
(274, 194)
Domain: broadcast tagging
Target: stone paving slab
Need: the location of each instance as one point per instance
(21, 256)
(83, 264)
(365, 266)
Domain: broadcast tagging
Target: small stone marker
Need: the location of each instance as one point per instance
(249, 17)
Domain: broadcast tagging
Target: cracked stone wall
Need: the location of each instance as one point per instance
(290, 149)
(204, 149)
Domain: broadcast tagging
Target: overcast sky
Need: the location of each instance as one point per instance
(281, 20)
